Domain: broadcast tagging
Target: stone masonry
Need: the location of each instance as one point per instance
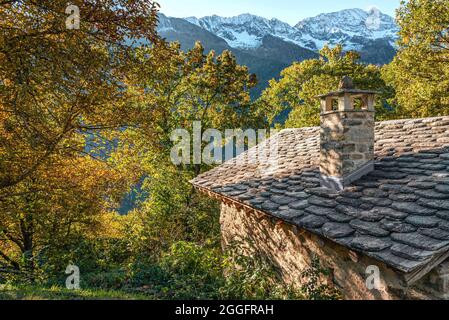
(347, 135)
(292, 249)
(347, 141)
(352, 193)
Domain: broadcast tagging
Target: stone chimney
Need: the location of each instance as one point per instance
(347, 135)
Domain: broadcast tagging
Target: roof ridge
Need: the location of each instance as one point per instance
(392, 121)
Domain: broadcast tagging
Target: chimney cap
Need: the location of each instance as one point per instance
(346, 83)
(346, 86)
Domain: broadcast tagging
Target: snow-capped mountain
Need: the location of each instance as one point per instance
(352, 27)
(245, 31)
(267, 46)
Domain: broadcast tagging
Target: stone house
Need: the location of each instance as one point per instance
(353, 193)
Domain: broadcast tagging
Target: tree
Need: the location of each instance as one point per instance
(62, 92)
(420, 71)
(303, 81)
(54, 205)
(190, 86)
(56, 82)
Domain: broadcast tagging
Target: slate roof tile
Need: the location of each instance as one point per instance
(282, 200)
(422, 221)
(269, 205)
(443, 188)
(388, 212)
(444, 225)
(288, 214)
(398, 214)
(419, 241)
(314, 200)
(443, 214)
(412, 208)
(371, 244)
(319, 211)
(435, 204)
(431, 194)
(311, 221)
(337, 230)
(411, 253)
(298, 205)
(339, 217)
(370, 228)
(435, 233)
(397, 226)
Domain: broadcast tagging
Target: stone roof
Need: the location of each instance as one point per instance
(398, 214)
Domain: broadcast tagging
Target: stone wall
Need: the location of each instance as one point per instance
(292, 250)
(347, 141)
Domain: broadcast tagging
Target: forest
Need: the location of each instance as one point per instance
(86, 117)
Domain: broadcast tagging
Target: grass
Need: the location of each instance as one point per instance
(13, 292)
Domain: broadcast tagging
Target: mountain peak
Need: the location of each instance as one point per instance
(351, 27)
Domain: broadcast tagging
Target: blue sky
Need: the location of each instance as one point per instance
(291, 11)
